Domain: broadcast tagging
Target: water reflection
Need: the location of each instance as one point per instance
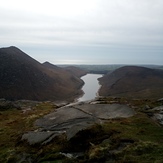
(90, 87)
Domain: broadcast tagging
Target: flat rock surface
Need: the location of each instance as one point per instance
(36, 137)
(107, 111)
(73, 118)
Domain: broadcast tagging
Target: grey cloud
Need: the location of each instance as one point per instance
(106, 24)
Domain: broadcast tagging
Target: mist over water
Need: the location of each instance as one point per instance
(90, 87)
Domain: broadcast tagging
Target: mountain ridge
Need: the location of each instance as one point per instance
(22, 77)
(133, 82)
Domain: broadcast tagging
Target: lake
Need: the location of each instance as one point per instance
(90, 87)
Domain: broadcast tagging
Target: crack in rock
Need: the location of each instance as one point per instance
(74, 118)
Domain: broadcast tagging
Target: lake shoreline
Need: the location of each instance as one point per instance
(90, 88)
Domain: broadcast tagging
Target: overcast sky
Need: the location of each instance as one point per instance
(85, 31)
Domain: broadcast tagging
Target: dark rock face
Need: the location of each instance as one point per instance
(72, 119)
(133, 82)
(22, 77)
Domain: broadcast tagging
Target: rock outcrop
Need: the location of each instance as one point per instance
(158, 114)
(71, 119)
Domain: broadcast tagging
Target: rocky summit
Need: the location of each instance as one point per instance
(74, 118)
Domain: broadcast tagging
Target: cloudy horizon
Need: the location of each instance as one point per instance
(85, 31)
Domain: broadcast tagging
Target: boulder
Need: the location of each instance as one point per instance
(74, 118)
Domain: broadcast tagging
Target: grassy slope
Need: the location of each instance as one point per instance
(135, 139)
(14, 123)
(133, 82)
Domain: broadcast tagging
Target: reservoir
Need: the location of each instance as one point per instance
(91, 86)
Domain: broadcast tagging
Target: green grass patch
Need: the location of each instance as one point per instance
(135, 139)
(14, 123)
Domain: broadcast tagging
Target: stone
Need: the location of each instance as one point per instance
(36, 137)
(74, 118)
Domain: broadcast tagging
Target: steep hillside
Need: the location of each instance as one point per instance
(70, 77)
(75, 71)
(134, 82)
(22, 77)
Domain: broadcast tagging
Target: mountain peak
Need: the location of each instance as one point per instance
(22, 77)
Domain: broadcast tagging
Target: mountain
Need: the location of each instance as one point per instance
(76, 71)
(70, 76)
(133, 82)
(71, 70)
(22, 77)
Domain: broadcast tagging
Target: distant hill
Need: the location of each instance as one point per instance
(22, 77)
(133, 82)
(70, 75)
(76, 71)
